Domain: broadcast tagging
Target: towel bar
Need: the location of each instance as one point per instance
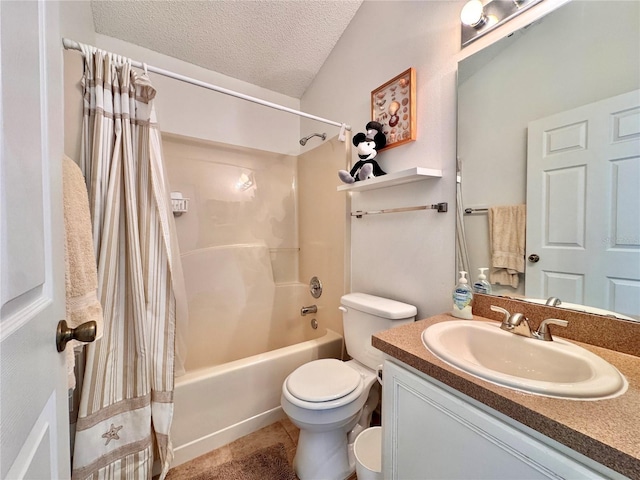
(440, 207)
(474, 210)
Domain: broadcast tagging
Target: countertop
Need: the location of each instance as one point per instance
(607, 431)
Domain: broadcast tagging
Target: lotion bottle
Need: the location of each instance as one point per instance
(462, 296)
(482, 285)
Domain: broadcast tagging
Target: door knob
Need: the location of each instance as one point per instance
(533, 258)
(83, 333)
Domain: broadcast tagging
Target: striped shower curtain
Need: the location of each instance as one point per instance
(126, 402)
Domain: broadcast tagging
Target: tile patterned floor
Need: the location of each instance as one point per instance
(282, 431)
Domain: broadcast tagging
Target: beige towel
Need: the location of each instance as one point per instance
(81, 278)
(507, 226)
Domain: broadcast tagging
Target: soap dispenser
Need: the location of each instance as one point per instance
(462, 296)
(482, 285)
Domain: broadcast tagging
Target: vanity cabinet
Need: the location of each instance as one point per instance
(432, 431)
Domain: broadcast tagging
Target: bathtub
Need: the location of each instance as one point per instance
(245, 336)
(216, 405)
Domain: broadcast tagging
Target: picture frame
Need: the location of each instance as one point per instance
(394, 106)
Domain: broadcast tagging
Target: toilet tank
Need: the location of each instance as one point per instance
(362, 316)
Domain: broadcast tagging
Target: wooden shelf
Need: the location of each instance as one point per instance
(415, 174)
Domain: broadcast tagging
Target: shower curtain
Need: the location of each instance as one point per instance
(126, 404)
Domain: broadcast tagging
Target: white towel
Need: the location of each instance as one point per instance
(507, 234)
(81, 278)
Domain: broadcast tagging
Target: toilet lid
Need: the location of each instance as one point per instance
(323, 380)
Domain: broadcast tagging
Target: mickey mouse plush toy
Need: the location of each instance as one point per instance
(367, 145)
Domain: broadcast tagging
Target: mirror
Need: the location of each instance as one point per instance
(580, 53)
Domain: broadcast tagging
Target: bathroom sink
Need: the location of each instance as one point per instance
(555, 369)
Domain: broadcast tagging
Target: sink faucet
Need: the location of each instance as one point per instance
(543, 332)
(553, 302)
(518, 324)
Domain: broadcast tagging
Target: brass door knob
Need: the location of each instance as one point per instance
(83, 333)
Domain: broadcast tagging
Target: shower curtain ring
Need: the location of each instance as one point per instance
(341, 136)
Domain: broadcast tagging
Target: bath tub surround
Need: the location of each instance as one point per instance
(236, 310)
(216, 405)
(251, 216)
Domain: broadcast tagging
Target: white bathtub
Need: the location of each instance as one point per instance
(216, 405)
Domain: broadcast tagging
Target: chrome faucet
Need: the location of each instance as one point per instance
(543, 332)
(553, 302)
(518, 324)
(310, 309)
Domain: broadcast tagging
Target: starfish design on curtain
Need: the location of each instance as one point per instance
(112, 433)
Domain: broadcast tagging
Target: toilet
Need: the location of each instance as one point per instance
(331, 401)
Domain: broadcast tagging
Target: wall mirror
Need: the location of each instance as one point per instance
(579, 54)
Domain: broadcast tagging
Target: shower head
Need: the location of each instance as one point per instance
(304, 140)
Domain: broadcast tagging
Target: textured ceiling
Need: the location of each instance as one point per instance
(276, 44)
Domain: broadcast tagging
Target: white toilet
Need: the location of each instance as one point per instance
(331, 401)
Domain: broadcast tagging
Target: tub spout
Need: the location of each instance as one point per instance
(309, 309)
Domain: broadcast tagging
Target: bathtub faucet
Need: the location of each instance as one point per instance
(310, 309)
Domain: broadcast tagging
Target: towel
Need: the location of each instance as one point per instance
(507, 226)
(81, 279)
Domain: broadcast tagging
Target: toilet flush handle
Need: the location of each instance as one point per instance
(342, 309)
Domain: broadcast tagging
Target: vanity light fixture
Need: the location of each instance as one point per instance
(478, 19)
(472, 14)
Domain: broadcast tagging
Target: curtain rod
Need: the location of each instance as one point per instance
(73, 45)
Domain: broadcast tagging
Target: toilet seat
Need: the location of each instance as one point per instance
(323, 384)
(322, 380)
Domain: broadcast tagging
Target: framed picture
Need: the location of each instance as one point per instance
(394, 106)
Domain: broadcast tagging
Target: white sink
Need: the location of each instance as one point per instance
(554, 369)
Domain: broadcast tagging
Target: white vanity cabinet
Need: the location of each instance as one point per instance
(433, 432)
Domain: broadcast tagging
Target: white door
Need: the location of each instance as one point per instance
(34, 438)
(583, 205)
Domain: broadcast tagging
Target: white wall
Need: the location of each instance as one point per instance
(186, 109)
(76, 23)
(405, 256)
(182, 108)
